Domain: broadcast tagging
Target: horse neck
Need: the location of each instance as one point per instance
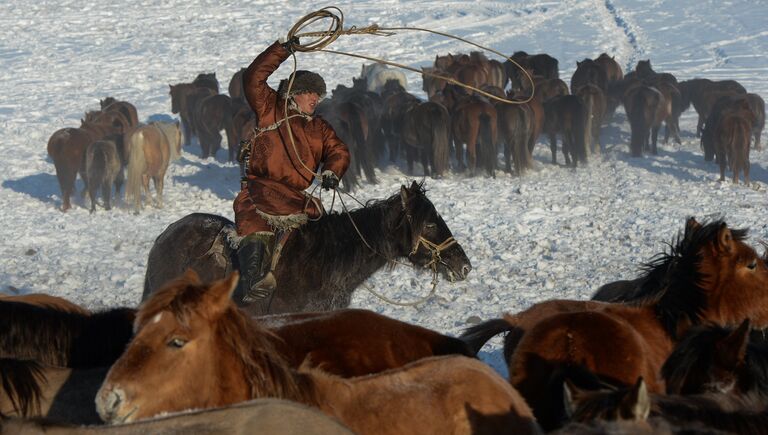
(375, 232)
(249, 359)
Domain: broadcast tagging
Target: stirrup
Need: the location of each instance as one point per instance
(262, 289)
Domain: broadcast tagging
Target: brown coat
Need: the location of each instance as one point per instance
(276, 177)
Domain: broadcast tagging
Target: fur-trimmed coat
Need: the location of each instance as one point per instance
(276, 178)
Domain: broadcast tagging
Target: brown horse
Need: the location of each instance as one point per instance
(697, 91)
(732, 136)
(595, 106)
(347, 343)
(103, 168)
(67, 148)
(236, 86)
(150, 153)
(588, 72)
(185, 99)
(537, 64)
(620, 342)
(515, 126)
(213, 114)
(610, 66)
(475, 123)
(46, 301)
(426, 131)
(127, 109)
(646, 109)
(268, 416)
(567, 116)
(198, 330)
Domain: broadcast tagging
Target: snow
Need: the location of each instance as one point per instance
(554, 233)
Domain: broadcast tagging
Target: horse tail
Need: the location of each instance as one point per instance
(21, 380)
(96, 167)
(589, 113)
(136, 167)
(441, 124)
(637, 125)
(739, 146)
(487, 149)
(476, 336)
(579, 122)
(520, 135)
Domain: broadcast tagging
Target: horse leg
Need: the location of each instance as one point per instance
(655, 138)
(409, 151)
(553, 147)
(92, 193)
(186, 127)
(106, 193)
(425, 161)
(158, 181)
(145, 184)
(699, 126)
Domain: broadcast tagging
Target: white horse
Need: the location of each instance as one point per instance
(377, 74)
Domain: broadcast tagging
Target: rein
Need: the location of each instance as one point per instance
(433, 248)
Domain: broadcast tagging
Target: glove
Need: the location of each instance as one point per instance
(291, 44)
(330, 180)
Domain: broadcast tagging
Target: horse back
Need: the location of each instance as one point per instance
(479, 399)
(354, 342)
(208, 243)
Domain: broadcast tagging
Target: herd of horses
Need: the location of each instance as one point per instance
(109, 143)
(381, 122)
(679, 349)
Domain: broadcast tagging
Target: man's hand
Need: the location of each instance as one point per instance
(291, 44)
(329, 181)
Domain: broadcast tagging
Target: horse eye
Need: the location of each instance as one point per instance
(752, 265)
(178, 343)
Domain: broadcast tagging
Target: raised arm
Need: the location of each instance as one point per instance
(257, 92)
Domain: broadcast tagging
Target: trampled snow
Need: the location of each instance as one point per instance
(554, 233)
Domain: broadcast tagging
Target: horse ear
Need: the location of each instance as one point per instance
(724, 239)
(638, 403)
(732, 350)
(219, 294)
(571, 395)
(692, 224)
(191, 276)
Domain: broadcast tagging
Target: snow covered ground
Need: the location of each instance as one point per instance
(555, 233)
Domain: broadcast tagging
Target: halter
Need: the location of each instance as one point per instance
(434, 250)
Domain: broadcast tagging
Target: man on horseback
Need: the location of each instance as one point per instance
(278, 163)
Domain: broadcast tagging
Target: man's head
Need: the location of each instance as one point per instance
(307, 89)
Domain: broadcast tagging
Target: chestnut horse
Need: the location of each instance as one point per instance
(103, 168)
(350, 342)
(199, 331)
(620, 342)
(732, 136)
(475, 124)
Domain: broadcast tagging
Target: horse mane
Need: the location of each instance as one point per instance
(671, 280)
(377, 220)
(63, 338)
(265, 371)
(21, 380)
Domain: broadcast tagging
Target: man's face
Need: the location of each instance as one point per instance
(307, 102)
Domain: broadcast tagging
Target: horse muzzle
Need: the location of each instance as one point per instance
(112, 406)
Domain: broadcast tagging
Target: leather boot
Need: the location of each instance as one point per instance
(255, 257)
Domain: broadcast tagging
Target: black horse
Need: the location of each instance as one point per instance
(322, 262)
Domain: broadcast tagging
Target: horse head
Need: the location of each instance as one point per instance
(710, 358)
(713, 276)
(432, 243)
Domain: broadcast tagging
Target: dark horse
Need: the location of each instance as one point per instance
(701, 413)
(426, 132)
(717, 359)
(322, 262)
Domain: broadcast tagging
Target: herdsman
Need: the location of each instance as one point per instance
(279, 165)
